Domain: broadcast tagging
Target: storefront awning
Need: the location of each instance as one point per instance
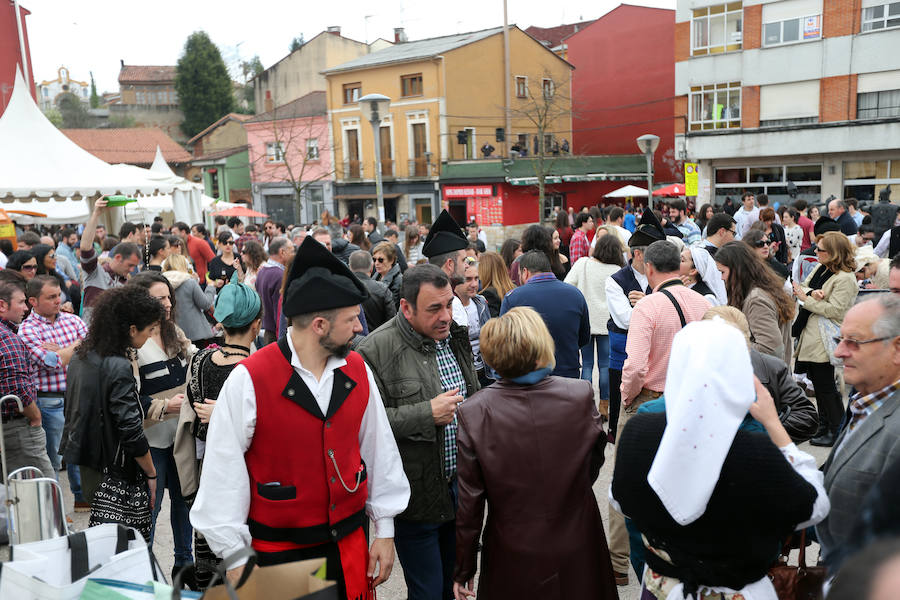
(551, 179)
(365, 196)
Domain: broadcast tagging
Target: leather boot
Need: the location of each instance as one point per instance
(829, 419)
(603, 408)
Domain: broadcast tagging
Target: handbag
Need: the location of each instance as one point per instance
(123, 501)
(58, 568)
(828, 330)
(800, 582)
(287, 581)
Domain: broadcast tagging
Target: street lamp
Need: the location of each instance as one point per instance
(374, 107)
(647, 144)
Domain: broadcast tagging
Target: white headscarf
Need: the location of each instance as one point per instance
(703, 410)
(709, 274)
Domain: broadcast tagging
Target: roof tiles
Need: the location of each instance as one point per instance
(134, 146)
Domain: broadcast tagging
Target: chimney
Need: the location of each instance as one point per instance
(122, 62)
(400, 35)
(335, 30)
(270, 106)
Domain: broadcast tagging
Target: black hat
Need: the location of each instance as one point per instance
(320, 281)
(445, 236)
(650, 230)
(824, 225)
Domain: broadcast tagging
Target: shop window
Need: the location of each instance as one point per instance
(717, 29)
(733, 182)
(866, 180)
(715, 106)
(874, 105)
(411, 85)
(552, 201)
(882, 16)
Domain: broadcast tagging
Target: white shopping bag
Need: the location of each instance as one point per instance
(58, 568)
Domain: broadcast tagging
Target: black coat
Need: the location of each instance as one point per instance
(379, 306)
(103, 414)
(394, 280)
(797, 413)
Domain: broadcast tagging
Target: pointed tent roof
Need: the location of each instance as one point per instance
(627, 191)
(160, 165)
(39, 161)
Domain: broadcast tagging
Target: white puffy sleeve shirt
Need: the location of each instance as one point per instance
(223, 499)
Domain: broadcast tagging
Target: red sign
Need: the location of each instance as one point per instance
(468, 191)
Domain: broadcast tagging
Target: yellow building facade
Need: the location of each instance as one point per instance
(447, 103)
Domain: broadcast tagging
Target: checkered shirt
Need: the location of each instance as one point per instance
(451, 378)
(578, 246)
(64, 331)
(863, 406)
(16, 369)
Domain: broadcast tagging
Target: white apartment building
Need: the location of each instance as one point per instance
(789, 97)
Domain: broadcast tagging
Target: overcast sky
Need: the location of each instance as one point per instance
(93, 35)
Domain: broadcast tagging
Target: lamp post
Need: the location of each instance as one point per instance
(647, 144)
(373, 108)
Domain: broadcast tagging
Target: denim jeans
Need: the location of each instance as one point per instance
(426, 552)
(167, 478)
(587, 362)
(53, 419)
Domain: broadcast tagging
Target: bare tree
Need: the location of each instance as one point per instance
(297, 139)
(545, 110)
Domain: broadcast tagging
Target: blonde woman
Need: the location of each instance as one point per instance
(192, 301)
(495, 281)
(530, 539)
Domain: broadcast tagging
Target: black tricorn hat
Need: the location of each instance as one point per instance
(825, 224)
(444, 236)
(650, 230)
(320, 281)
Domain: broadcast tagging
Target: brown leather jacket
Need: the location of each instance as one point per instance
(534, 450)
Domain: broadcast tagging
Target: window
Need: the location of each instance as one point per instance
(874, 105)
(777, 182)
(715, 106)
(793, 103)
(547, 87)
(470, 144)
(717, 29)
(866, 180)
(800, 29)
(411, 85)
(316, 202)
(551, 201)
(274, 152)
(521, 86)
(312, 149)
(352, 92)
(881, 17)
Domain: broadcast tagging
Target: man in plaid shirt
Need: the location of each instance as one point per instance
(22, 433)
(579, 245)
(51, 337)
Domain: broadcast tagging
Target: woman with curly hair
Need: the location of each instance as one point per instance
(510, 251)
(254, 256)
(161, 367)
(104, 431)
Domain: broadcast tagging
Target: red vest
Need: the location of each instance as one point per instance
(296, 495)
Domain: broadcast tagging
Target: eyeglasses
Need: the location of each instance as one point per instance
(853, 345)
(228, 243)
(380, 259)
(732, 231)
(760, 244)
(28, 267)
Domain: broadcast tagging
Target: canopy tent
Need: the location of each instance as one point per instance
(674, 190)
(38, 162)
(186, 200)
(629, 191)
(68, 211)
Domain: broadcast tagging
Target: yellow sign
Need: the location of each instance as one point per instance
(7, 230)
(690, 179)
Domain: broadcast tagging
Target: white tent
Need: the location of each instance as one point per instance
(68, 211)
(38, 161)
(629, 191)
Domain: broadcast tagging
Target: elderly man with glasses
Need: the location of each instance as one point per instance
(869, 345)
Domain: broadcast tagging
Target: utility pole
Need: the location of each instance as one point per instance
(506, 82)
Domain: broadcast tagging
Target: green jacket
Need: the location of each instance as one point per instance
(406, 372)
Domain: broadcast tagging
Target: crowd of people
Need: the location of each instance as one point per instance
(291, 386)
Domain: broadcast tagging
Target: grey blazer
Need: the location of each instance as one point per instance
(853, 469)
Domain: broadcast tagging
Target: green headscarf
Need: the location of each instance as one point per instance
(237, 304)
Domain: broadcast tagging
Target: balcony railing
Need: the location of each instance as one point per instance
(387, 168)
(420, 167)
(353, 169)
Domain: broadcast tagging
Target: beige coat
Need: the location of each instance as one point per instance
(766, 334)
(840, 293)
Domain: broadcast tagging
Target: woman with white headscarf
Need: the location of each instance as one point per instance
(699, 272)
(713, 502)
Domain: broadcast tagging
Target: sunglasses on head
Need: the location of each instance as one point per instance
(469, 260)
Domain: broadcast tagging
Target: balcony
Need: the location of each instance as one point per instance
(353, 170)
(387, 168)
(421, 167)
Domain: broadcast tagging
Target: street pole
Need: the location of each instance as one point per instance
(379, 192)
(650, 180)
(507, 84)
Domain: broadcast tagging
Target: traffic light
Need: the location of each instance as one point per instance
(462, 137)
(500, 134)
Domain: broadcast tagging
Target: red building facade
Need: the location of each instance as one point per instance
(11, 54)
(623, 85)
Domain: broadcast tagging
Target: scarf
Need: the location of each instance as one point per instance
(821, 275)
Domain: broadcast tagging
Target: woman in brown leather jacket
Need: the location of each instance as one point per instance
(532, 444)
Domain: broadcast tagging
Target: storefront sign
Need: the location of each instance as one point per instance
(468, 191)
(690, 179)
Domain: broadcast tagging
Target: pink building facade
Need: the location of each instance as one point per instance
(289, 149)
